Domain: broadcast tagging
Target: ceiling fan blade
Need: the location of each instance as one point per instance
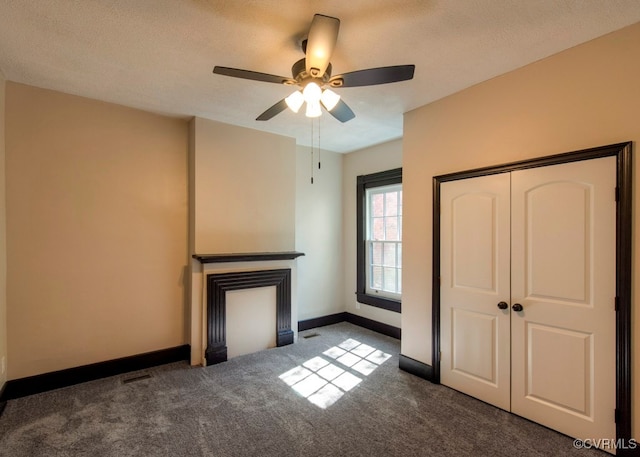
(273, 111)
(252, 75)
(323, 35)
(373, 76)
(341, 111)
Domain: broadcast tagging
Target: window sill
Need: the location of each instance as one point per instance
(379, 302)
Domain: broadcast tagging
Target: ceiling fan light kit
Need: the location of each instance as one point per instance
(313, 95)
(313, 73)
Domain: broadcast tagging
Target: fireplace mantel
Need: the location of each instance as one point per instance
(247, 257)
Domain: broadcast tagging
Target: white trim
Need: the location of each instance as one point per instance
(369, 193)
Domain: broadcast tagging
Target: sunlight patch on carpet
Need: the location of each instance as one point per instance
(323, 383)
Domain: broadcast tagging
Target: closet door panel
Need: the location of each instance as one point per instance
(474, 279)
(563, 276)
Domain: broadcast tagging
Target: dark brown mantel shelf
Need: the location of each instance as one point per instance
(247, 257)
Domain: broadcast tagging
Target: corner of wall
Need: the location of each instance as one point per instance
(3, 243)
(191, 184)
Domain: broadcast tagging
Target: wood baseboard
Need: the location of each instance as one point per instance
(360, 321)
(3, 403)
(17, 388)
(376, 326)
(422, 370)
(322, 321)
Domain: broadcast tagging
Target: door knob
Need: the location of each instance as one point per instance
(517, 307)
(503, 305)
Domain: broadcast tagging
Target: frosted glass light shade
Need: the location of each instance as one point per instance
(329, 99)
(295, 101)
(313, 109)
(312, 93)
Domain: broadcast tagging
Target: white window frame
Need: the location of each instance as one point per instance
(370, 289)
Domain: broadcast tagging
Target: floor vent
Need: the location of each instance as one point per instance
(311, 335)
(136, 378)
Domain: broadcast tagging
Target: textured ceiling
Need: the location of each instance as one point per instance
(158, 55)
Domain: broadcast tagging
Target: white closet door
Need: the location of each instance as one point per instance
(563, 274)
(474, 279)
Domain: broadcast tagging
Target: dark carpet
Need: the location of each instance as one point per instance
(339, 393)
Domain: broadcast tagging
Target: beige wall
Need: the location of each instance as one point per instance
(386, 156)
(96, 230)
(243, 189)
(584, 97)
(3, 245)
(319, 234)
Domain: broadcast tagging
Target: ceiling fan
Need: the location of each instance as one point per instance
(313, 73)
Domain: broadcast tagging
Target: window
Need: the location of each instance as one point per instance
(379, 251)
(383, 245)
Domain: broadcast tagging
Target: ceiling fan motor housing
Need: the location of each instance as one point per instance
(299, 73)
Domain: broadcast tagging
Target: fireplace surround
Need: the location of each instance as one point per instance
(219, 284)
(238, 272)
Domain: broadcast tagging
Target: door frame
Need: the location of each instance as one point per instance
(624, 168)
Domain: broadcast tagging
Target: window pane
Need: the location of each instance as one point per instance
(400, 255)
(389, 254)
(382, 236)
(378, 228)
(377, 205)
(376, 278)
(376, 253)
(399, 281)
(391, 203)
(390, 279)
(391, 228)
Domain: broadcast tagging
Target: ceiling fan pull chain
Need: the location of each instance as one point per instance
(312, 151)
(319, 153)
